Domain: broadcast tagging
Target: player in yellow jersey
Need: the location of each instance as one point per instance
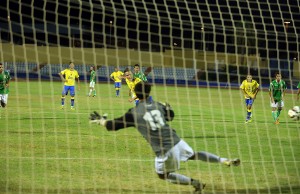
(250, 89)
(116, 76)
(68, 76)
(131, 82)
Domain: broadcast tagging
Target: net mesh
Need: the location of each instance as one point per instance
(195, 53)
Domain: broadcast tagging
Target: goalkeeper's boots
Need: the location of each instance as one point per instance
(234, 162)
(198, 186)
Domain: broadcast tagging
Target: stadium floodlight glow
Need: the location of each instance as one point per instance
(286, 24)
(110, 26)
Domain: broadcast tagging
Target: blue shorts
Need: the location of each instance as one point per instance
(69, 88)
(117, 84)
(249, 101)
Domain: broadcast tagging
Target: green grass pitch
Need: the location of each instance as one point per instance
(47, 150)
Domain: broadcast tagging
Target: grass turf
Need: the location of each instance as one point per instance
(48, 150)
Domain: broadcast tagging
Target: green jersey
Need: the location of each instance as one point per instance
(4, 79)
(93, 76)
(141, 76)
(277, 89)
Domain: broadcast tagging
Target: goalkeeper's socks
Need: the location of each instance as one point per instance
(179, 179)
(208, 157)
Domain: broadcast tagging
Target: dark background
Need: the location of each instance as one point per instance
(232, 26)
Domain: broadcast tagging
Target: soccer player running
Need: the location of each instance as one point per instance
(150, 118)
(131, 83)
(4, 86)
(276, 92)
(250, 89)
(68, 76)
(116, 76)
(92, 81)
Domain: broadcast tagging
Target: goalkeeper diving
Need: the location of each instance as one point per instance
(151, 120)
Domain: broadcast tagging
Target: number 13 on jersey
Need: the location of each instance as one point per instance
(154, 119)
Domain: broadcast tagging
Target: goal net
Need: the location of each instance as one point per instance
(195, 54)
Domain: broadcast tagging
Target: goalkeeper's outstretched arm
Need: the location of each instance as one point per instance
(120, 123)
(114, 124)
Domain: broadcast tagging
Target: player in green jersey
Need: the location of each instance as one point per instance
(4, 86)
(151, 120)
(298, 93)
(92, 81)
(138, 74)
(276, 92)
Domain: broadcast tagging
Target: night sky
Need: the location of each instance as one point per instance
(155, 25)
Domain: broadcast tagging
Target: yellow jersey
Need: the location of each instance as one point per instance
(249, 87)
(131, 85)
(70, 76)
(116, 76)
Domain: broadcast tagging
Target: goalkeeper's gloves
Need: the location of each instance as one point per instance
(167, 105)
(98, 119)
(169, 113)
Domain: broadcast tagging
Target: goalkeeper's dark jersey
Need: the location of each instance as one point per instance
(150, 118)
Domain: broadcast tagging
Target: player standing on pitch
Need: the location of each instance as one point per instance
(276, 92)
(250, 90)
(68, 76)
(116, 76)
(150, 118)
(92, 81)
